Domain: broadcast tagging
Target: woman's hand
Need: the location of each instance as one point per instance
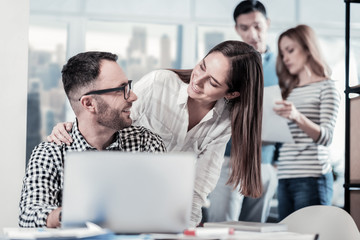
(60, 134)
(287, 110)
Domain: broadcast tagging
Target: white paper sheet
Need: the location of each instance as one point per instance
(274, 127)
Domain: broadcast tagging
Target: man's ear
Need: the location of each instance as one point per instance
(232, 95)
(268, 22)
(88, 103)
(237, 29)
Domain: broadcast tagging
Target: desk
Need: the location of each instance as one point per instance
(238, 235)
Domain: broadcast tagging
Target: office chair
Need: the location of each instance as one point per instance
(331, 223)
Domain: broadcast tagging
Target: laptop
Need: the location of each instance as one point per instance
(128, 192)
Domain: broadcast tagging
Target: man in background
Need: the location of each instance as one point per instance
(226, 204)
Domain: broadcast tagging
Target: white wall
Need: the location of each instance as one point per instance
(14, 18)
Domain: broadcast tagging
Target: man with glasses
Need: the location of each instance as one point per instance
(101, 97)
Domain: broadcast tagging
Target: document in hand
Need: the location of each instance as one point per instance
(274, 127)
(249, 226)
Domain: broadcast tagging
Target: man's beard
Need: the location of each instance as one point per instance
(110, 117)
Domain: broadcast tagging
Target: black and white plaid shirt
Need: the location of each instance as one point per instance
(44, 178)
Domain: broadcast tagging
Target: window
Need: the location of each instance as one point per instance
(46, 98)
(209, 37)
(140, 47)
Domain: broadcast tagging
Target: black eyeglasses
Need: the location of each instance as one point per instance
(126, 90)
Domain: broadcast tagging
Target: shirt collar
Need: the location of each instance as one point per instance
(116, 144)
(220, 106)
(81, 144)
(266, 55)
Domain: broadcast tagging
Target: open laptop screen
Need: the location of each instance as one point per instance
(128, 192)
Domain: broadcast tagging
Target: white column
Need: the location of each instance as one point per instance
(14, 24)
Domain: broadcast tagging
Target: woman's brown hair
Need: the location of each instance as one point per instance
(246, 77)
(305, 36)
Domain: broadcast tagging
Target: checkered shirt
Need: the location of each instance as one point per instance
(44, 177)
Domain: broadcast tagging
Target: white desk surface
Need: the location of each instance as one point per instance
(239, 235)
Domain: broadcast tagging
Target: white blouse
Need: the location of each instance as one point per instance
(162, 108)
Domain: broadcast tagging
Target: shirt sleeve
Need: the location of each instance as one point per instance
(153, 142)
(41, 191)
(208, 167)
(141, 139)
(329, 106)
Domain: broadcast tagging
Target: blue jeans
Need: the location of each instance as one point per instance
(296, 193)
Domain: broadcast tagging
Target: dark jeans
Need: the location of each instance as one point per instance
(296, 193)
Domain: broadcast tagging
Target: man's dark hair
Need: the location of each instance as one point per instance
(249, 6)
(83, 68)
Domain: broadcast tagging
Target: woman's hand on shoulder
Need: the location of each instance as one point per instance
(60, 134)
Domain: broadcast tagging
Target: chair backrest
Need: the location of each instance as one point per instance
(331, 223)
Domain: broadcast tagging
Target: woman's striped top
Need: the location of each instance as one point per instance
(319, 102)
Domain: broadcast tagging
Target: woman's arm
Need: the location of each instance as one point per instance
(289, 111)
(329, 107)
(208, 168)
(329, 104)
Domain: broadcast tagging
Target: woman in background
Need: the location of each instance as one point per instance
(196, 110)
(311, 104)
